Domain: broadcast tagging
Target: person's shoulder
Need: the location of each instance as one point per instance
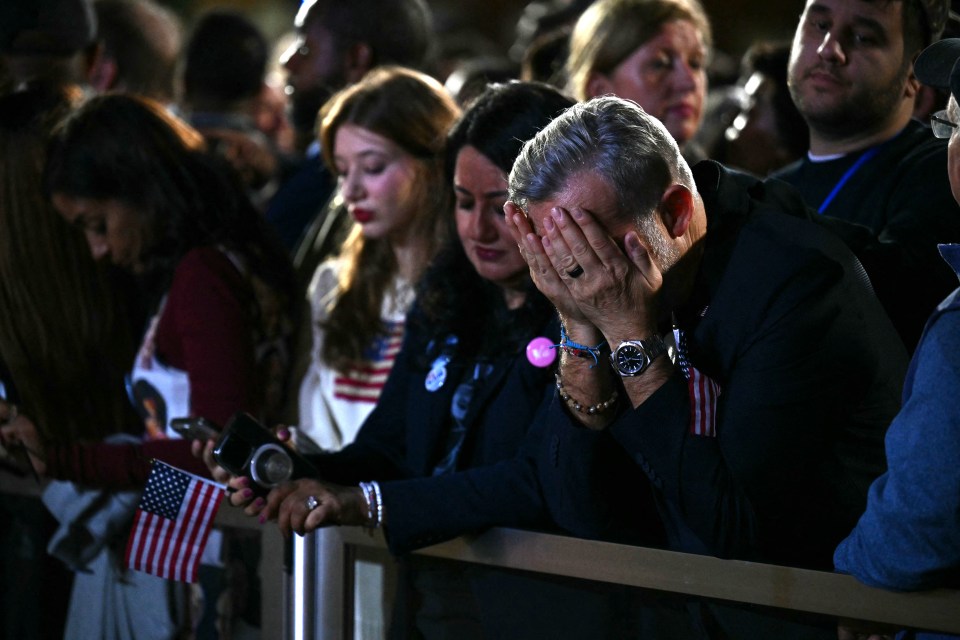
(783, 233)
(327, 275)
(206, 258)
(309, 182)
(204, 265)
(324, 286)
(788, 172)
(743, 195)
(916, 146)
(951, 255)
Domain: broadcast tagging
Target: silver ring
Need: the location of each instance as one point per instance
(576, 272)
(312, 503)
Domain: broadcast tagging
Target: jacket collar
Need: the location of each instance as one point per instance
(951, 253)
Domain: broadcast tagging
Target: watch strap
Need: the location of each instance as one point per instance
(652, 347)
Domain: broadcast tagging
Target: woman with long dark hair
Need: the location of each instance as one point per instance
(64, 345)
(217, 286)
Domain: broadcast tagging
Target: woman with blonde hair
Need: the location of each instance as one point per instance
(384, 139)
(653, 52)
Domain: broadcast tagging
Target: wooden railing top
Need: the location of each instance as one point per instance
(789, 588)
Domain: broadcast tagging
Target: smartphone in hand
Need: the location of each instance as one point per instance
(195, 428)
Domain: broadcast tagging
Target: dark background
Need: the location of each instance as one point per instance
(736, 23)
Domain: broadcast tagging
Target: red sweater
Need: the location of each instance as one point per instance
(207, 330)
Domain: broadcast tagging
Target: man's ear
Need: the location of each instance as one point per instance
(598, 84)
(676, 210)
(912, 86)
(357, 62)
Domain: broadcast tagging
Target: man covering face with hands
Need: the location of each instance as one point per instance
(731, 348)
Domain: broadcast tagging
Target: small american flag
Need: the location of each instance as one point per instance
(704, 392)
(172, 523)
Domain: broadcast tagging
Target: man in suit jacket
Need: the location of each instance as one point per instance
(750, 372)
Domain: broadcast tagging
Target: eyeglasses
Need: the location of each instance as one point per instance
(942, 127)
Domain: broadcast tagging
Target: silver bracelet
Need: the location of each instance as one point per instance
(371, 493)
(370, 497)
(376, 491)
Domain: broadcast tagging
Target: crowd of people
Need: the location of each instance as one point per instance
(571, 288)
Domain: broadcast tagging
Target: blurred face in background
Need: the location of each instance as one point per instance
(754, 140)
(314, 65)
(480, 188)
(666, 76)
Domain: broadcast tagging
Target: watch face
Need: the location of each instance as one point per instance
(630, 359)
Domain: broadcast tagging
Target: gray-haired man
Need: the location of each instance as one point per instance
(760, 432)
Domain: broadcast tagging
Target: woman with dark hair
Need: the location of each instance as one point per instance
(148, 197)
(67, 341)
(64, 345)
(218, 287)
(383, 137)
(463, 390)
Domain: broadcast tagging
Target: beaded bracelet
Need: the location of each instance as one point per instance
(580, 350)
(593, 409)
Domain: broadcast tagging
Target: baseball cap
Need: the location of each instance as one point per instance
(937, 65)
(57, 27)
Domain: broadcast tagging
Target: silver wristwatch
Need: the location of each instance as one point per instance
(633, 357)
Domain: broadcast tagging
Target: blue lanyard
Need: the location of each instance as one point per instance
(846, 177)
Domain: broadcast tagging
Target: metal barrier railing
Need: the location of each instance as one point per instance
(275, 588)
(787, 588)
(319, 603)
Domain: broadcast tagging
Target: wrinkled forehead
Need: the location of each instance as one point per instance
(585, 191)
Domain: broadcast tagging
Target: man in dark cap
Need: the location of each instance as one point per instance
(909, 536)
(50, 41)
(869, 162)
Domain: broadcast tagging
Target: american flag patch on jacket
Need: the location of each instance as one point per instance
(363, 383)
(703, 391)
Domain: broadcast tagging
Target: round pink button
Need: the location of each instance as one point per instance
(540, 352)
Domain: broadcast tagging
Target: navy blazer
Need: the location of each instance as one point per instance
(496, 484)
(809, 368)
(404, 438)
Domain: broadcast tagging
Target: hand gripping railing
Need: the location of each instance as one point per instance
(326, 608)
